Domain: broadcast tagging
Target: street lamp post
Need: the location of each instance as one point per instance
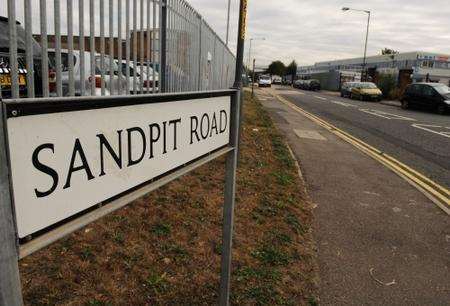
(345, 9)
(228, 21)
(250, 50)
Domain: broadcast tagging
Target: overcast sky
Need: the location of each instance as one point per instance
(317, 30)
(313, 30)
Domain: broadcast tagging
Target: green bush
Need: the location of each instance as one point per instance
(387, 83)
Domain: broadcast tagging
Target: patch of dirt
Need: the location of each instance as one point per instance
(165, 248)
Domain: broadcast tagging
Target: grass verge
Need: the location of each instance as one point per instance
(165, 248)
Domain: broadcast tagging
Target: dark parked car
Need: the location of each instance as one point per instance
(298, 84)
(434, 96)
(310, 85)
(5, 69)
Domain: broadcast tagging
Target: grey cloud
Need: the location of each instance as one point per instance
(317, 30)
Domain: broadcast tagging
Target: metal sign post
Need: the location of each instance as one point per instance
(171, 134)
(10, 288)
(231, 163)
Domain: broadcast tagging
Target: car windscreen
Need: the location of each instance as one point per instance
(443, 90)
(107, 66)
(64, 60)
(21, 36)
(368, 86)
(265, 78)
(4, 62)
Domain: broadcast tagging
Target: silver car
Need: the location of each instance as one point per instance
(111, 86)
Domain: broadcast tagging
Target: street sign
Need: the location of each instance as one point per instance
(64, 161)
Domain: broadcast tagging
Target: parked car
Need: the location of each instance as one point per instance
(312, 85)
(346, 89)
(277, 80)
(146, 80)
(265, 81)
(110, 85)
(307, 84)
(5, 69)
(298, 83)
(434, 96)
(366, 91)
(287, 81)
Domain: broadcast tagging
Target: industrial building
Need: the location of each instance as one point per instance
(406, 67)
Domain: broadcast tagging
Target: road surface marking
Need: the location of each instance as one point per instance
(342, 103)
(321, 98)
(291, 92)
(385, 115)
(438, 194)
(435, 129)
(309, 134)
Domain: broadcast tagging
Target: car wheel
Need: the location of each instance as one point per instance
(405, 104)
(361, 98)
(441, 109)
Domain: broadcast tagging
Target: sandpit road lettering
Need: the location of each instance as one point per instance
(64, 163)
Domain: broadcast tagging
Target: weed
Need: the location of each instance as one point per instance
(176, 251)
(157, 282)
(293, 222)
(161, 229)
(259, 274)
(266, 208)
(96, 303)
(279, 238)
(86, 253)
(312, 301)
(218, 248)
(272, 255)
(282, 154)
(118, 237)
(283, 178)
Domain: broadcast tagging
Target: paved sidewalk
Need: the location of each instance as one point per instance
(380, 241)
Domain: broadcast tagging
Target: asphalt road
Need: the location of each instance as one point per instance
(418, 138)
(379, 240)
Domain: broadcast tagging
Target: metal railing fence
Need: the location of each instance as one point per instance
(110, 47)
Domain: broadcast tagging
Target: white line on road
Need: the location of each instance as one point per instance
(321, 98)
(342, 103)
(385, 115)
(432, 129)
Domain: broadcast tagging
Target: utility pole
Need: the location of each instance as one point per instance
(228, 21)
(346, 9)
(253, 77)
(365, 46)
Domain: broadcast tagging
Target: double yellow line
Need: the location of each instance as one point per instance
(435, 192)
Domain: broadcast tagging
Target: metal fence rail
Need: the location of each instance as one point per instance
(111, 47)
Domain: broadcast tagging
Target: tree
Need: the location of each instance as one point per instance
(291, 68)
(387, 51)
(277, 68)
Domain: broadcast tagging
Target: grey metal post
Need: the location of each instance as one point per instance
(13, 64)
(163, 48)
(365, 46)
(228, 21)
(200, 53)
(253, 77)
(229, 201)
(231, 163)
(10, 288)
